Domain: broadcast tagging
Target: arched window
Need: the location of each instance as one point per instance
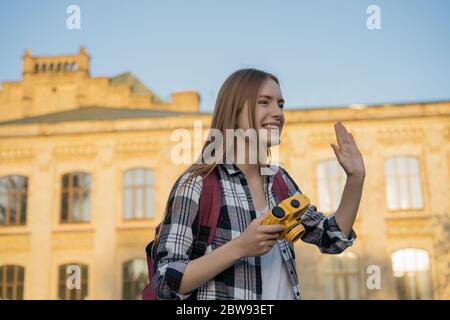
(75, 197)
(36, 67)
(73, 281)
(342, 276)
(11, 282)
(13, 200)
(403, 183)
(411, 269)
(138, 194)
(73, 66)
(330, 184)
(58, 66)
(44, 67)
(135, 278)
(66, 66)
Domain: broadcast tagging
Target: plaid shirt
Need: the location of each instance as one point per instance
(242, 281)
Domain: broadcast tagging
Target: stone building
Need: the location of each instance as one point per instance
(85, 171)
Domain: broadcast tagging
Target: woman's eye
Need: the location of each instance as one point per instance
(281, 106)
(263, 102)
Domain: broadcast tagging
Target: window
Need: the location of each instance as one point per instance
(342, 277)
(11, 282)
(75, 196)
(412, 274)
(330, 184)
(73, 281)
(13, 200)
(138, 194)
(134, 279)
(403, 183)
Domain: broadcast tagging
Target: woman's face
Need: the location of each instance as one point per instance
(268, 113)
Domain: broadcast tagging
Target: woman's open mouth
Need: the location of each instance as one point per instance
(272, 128)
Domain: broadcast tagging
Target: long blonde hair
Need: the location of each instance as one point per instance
(241, 87)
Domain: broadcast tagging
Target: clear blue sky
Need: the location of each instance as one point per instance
(322, 51)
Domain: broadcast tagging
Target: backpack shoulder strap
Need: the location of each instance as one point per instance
(280, 187)
(209, 211)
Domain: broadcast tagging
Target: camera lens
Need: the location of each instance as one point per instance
(295, 203)
(278, 212)
(294, 232)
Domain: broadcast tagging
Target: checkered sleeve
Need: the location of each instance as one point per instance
(175, 241)
(320, 230)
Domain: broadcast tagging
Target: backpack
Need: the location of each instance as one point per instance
(209, 210)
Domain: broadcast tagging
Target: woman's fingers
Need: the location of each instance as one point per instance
(352, 140)
(342, 135)
(271, 228)
(271, 236)
(339, 134)
(346, 134)
(335, 149)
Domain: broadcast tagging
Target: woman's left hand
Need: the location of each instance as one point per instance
(348, 154)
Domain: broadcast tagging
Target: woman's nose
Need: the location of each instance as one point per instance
(277, 112)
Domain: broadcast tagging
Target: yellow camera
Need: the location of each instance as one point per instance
(289, 213)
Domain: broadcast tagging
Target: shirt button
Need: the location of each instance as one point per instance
(284, 250)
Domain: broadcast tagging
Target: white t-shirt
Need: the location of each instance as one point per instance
(276, 284)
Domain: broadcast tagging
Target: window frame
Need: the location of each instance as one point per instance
(410, 178)
(135, 290)
(70, 190)
(133, 187)
(328, 182)
(415, 273)
(21, 197)
(346, 274)
(16, 282)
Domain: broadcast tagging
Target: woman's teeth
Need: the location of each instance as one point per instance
(272, 127)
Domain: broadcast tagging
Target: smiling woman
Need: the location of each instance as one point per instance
(243, 258)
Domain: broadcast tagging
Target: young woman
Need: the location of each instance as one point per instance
(246, 260)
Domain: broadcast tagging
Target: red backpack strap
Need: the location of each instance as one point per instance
(280, 187)
(209, 211)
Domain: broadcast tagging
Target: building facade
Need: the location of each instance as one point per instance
(86, 169)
